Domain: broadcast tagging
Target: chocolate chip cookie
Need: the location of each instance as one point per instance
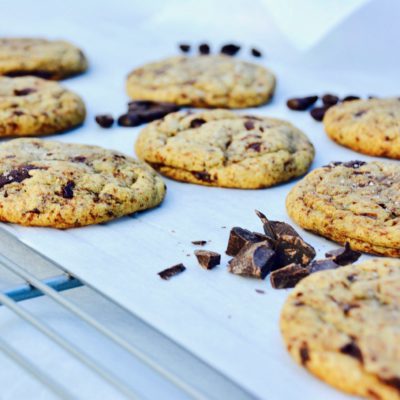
(203, 81)
(367, 126)
(60, 185)
(221, 148)
(32, 106)
(354, 202)
(343, 326)
(43, 58)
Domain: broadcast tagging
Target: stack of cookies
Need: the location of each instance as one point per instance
(342, 324)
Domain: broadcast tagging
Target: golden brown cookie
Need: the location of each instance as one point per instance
(32, 106)
(60, 185)
(221, 148)
(353, 202)
(46, 59)
(343, 325)
(203, 81)
(368, 126)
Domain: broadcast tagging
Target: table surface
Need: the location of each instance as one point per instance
(217, 316)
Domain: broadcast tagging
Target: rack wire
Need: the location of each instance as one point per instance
(51, 287)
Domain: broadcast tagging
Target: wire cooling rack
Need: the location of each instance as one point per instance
(204, 382)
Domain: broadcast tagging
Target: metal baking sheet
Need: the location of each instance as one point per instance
(217, 316)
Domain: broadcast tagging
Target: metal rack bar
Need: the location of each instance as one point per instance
(35, 372)
(69, 347)
(58, 283)
(53, 294)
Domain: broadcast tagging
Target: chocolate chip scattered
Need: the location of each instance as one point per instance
(199, 242)
(67, 191)
(129, 120)
(330, 99)
(343, 256)
(351, 349)
(16, 175)
(322, 265)
(260, 291)
(304, 354)
(249, 125)
(254, 259)
(351, 98)
(288, 276)
(185, 48)
(238, 238)
(301, 103)
(195, 123)
(204, 48)
(318, 113)
(171, 271)
(24, 92)
(104, 120)
(255, 52)
(208, 259)
(293, 249)
(230, 49)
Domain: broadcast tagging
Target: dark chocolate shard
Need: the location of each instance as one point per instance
(104, 120)
(255, 52)
(239, 237)
(351, 349)
(293, 249)
(16, 175)
(260, 291)
(322, 265)
(289, 276)
(267, 226)
(185, 48)
(199, 242)
(254, 260)
(282, 228)
(208, 259)
(343, 256)
(230, 49)
(171, 271)
(301, 103)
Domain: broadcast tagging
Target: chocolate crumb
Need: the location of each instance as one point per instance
(344, 256)
(199, 242)
(301, 103)
(267, 226)
(260, 291)
(230, 49)
(171, 271)
(105, 120)
(351, 349)
(255, 52)
(208, 259)
(185, 48)
(204, 49)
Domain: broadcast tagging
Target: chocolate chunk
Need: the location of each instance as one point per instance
(351, 98)
(204, 48)
(208, 259)
(255, 52)
(195, 123)
(330, 99)
(199, 242)
(105, 120)
(185, 48)
(293, 249)
(254, 146)
(301, 103)
(282, 228)
(304, 354)
(318, 113)
(230, 49)
(249, 125)
(322, 265)
(351, 349)
(254, 259)
(343, 256)
(24, 92)
(267, 226)
(129, 120)
(239, 237)
(289, 276)
(202, 176)
(79, 159)
(354, 164)
(16, 175)
(67, 191)
(171, 271)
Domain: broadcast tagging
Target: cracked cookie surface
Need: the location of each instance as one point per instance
(32, 106)
(47, 59)
(203, 81)
(343, 326)
(60, 185)
(353, 202)
(221, 148)
(367, 126)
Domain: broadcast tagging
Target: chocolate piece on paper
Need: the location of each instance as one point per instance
(171, 271)
(199, 242)
(208, 259)
(343, 256)
(293, 249)
(239, 237)
(289, 276)
(301, 103)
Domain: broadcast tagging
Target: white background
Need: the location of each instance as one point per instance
(214, 314)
